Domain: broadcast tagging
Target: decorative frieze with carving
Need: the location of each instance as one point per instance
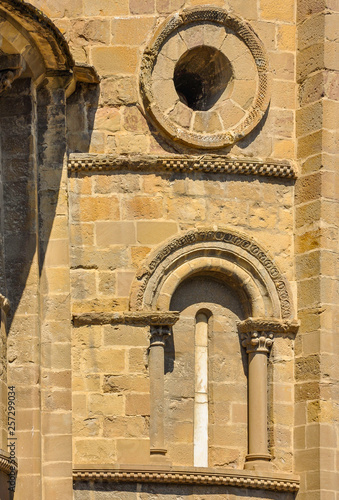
(142, 318)
(275, 481)
(213, 164)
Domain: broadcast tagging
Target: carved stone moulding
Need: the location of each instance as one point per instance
(188, 475)
(213, 164)
(158, 318)
(176, 52)
(36, 49)
(271, 325)
(223, 240)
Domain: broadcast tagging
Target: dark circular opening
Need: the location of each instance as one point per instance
(200, 77)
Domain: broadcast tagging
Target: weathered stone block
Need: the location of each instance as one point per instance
(113, 60)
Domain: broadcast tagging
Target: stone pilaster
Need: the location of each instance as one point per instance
(317, 249)
(55, 312)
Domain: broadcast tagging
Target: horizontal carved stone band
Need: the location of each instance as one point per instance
(167, 318)
(268, 325)
(188, 475)
(180, 163)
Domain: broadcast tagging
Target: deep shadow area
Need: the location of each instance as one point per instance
(204, 289)
(200, 77)
(33, 148)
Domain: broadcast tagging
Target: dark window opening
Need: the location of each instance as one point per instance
(201, 76)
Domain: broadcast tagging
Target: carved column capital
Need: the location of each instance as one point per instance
(11, 67)
(159, 333)
(257, 341)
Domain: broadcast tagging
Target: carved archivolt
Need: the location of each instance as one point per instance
(35, 30)
(241, 105)
(239, 259)
(42, 51)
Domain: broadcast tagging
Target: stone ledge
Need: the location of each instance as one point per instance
(214, 164)
(275, 481)
(268, 325)
(167, 318)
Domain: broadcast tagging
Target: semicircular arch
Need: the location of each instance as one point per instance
(235, 258)
(25, 30)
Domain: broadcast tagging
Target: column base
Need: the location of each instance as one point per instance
(158, 456)
(259, 462)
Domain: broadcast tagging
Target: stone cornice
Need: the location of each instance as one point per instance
(145, 318)
(269, 325)
(275, 481)
(180, 163)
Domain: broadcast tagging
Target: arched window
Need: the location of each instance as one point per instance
(226, 288)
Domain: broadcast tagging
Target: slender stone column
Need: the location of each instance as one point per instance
(201, 392)
(257, 346)
(159, 333)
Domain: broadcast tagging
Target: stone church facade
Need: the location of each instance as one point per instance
(169, 250)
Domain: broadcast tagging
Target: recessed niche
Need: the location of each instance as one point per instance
(201, 76)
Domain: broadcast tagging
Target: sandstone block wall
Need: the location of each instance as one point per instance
(73, 243)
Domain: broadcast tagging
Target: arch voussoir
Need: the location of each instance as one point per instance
(229, 255)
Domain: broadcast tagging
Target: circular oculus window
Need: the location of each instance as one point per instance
(204, 78)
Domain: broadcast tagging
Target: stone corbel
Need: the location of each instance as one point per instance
(257, 337)
(11, 67)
